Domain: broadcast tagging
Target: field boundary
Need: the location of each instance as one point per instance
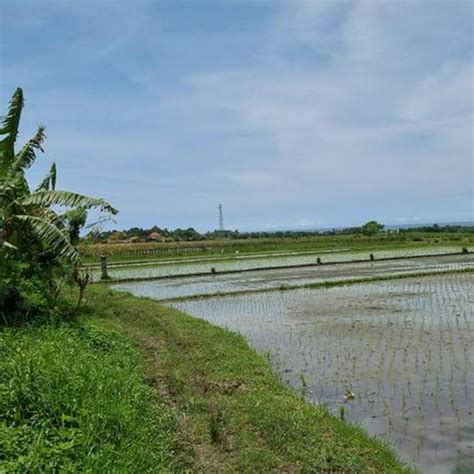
(215, 258)
(317, 285)
(277, 267)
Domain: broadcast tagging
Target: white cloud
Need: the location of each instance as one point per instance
(441, 97)
(363, 33)
(357, 126)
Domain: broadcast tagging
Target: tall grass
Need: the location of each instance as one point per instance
(73, 399)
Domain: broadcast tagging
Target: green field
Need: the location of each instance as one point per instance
(350, 242)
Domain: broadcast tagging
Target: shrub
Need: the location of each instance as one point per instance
(26, 290)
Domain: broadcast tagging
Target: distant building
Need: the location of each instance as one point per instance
(155, 237)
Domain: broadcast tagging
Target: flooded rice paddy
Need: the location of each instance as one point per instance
(240, 263)
(397, 355)
(264, 279)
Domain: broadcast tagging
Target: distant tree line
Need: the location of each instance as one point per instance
(435, 228)
(139, 234)
(158, 234)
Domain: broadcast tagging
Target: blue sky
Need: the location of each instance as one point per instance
(292, 113)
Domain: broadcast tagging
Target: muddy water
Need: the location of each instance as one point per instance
(179, 287)
(404, 348)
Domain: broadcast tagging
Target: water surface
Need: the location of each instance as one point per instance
(211, 284)
(404, 348)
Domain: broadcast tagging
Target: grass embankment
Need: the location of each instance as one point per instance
(232, 408)
(79, 397)
(73, 399)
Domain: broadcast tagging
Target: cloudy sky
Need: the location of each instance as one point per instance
(292, 113)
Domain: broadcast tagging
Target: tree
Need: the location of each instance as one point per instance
(371, 228)
(38, 228)
(117, 236)
(76, 220)
(29, 219)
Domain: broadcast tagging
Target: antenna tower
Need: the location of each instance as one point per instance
(221, 218)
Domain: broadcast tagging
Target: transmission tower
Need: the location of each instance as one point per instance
(221, 218)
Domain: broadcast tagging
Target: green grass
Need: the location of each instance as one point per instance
(237, 414)
(157, 251)
(73, 399)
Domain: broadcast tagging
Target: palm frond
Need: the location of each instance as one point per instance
(99, 223)
(68, 199)
(9, 128)
(51, 236)
(25, 158)
(49, 181)
(52, 217)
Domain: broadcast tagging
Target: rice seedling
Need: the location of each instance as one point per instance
(399, 353)
(161, 269)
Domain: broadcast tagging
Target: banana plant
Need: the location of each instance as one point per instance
(28, 215)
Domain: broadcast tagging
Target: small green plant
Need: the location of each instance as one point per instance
(216, 425)
(304, 384)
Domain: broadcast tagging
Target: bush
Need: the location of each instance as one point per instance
(27, 289)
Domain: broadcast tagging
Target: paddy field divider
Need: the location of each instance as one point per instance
(215, 272)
